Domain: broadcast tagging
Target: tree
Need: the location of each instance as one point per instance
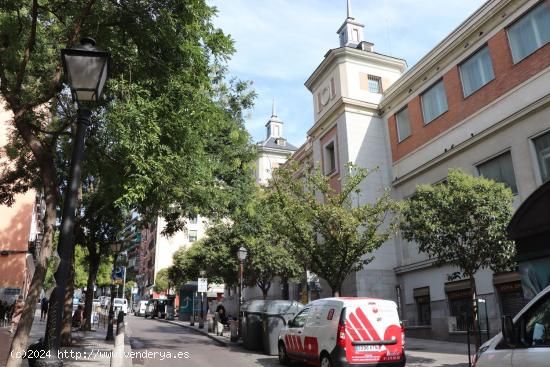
(128, 289)
(161, 281)
(170, 123)
(331, 232)
(462, 222)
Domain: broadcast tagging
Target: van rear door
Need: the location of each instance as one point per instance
(373, 332)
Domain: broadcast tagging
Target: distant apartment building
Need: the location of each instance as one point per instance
(156, 250)
(20, 232)
(479, 101)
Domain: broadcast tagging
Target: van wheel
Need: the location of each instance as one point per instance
(283, 357)
(325, 361)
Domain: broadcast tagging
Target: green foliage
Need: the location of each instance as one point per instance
(161, 281)
(80, 266)
(329, 231)
(462, 222)
(128, 289)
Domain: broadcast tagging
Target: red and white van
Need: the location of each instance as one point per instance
(345, 331)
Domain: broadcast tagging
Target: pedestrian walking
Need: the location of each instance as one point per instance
(16, 315)
(44, 304)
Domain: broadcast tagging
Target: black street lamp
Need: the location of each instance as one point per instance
(115, 248)
(86, 70)
(241, 255)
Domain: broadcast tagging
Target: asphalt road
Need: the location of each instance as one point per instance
(196, 349)
(186, 347)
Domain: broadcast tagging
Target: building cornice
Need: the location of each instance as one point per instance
(435, 60)
(364, 56)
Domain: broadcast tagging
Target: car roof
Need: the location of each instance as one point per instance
(345, 301)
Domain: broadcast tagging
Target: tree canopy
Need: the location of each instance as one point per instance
(332, 232)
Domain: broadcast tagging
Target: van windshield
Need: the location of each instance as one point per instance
(118, 301)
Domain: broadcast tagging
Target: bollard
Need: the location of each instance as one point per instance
(234, 330)
(117, 358)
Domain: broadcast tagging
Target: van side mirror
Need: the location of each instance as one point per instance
(509, 332)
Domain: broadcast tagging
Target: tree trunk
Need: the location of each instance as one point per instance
(66, 340)
(305, 290)
(89, 302)
(286, 293)
(474, 310)
(21, 338)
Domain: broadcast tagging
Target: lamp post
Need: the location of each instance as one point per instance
(115, 248)
(241, 255)
(86, 69)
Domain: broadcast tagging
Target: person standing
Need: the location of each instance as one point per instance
(16, 315)
(44, 303)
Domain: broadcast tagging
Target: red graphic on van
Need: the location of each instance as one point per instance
(359, 328)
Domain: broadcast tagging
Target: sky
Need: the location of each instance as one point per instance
(279, 43)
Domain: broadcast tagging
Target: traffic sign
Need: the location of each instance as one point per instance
(202, 285)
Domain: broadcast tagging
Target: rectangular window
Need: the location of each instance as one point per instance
(329, 158)
(192, 235)
(403, 124)
(434, 102)
(422, 301)
(542, 147)
(530, 32)
(460, 309)
(375, 84)
(193, 219)
(476, 71)
(500, 169)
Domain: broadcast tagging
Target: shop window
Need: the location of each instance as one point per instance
(500, 169)
(530, 32)
(542, 148)
(434, 102)
(403, 124)
(460, 308)
(423, 309)
(476, 71)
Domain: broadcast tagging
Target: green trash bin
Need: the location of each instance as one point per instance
(252, 323)
(277, 314)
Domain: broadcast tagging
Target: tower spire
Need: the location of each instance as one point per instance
(349, 10)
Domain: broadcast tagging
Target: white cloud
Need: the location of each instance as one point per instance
(280, 43)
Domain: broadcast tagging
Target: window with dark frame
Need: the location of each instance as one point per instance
(542, 150)
(460, 306)
(403, 124)
(530, 32)
(476, 71)
(423, 309)
(375, 84)
(192, 235)
(434, 102)
(329, 158)
(500, 169)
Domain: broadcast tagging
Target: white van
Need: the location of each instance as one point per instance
(120, 304)
(140, 308)
(345, 331)
(525, 339)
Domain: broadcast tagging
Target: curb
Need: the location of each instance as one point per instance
(213, 337)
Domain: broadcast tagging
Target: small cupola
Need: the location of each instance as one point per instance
(350, 32)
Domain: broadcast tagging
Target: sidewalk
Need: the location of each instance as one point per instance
(224, 340)
(89, 346)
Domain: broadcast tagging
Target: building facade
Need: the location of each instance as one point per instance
(479, 101)
(20, 232)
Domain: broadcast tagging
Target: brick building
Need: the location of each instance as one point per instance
(479, 101)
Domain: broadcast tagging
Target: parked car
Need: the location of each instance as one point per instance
(156, 308)
(524, 340)
(139, 308)
(120, 304)
(344, 331)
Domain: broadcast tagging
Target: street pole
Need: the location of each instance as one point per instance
(201, 322)
(193, 310)
(240, 296)
(65, 245)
